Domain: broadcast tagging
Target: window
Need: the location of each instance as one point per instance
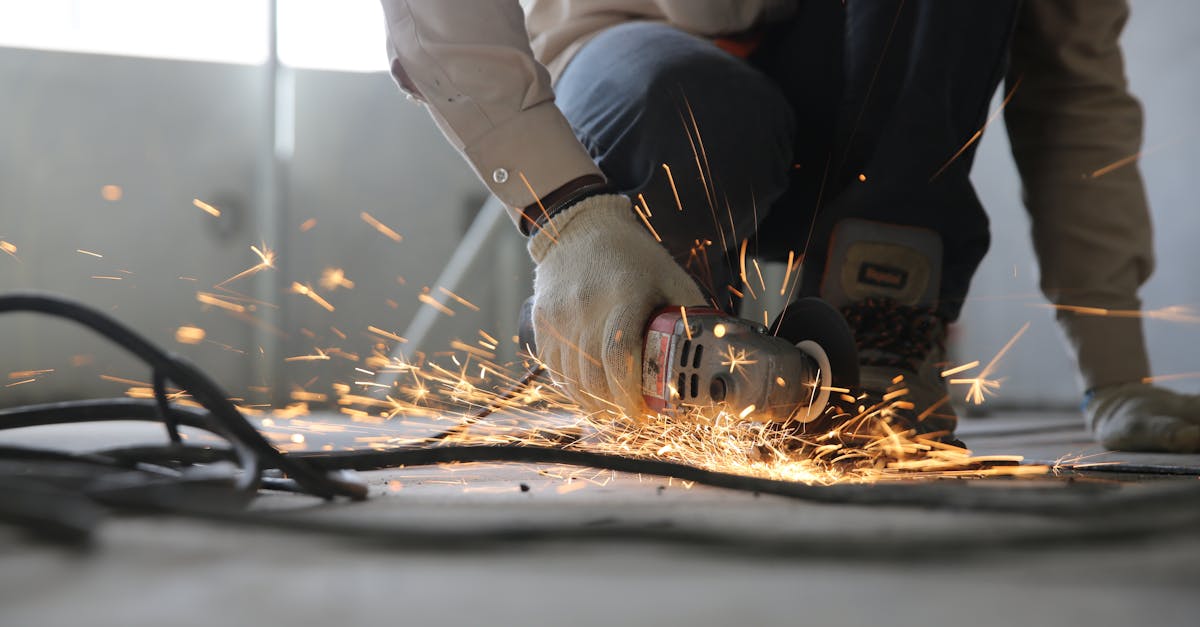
(229, 31)
(332, 35)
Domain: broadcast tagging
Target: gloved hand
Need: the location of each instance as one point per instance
(1142, 417)
(599, 277)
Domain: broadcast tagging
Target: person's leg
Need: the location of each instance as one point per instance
(919, 78)
(897, 231)
(645, 97)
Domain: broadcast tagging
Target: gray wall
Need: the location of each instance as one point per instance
(169, 131)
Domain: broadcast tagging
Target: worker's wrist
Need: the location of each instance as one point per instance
(534, 216)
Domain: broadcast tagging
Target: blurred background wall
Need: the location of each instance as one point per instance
(115, 115)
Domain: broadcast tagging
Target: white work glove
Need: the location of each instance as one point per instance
(600, 275)
(1142, 417)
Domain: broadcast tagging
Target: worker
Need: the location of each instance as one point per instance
(837, 133)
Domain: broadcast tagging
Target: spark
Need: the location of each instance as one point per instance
(742, 269)
(381, 227)
(646, 220)
(1124, 161)
(462, 301)
(16, 383)
(735, 358)
(979, 133)
(333, 278)
(787, 274)
(537, 199)
(957, 369)
(307, 290)
(307, 225)
(758, 271)
(188, 334)
(216, 301)
(320, 356)
(9, 248)
(687, 328)
(111, 193)
(981, 386)
(266, 259)
(107, 277)
(1171, 377)
(671, 179)
(88, 252)
(207, 208)
(1171, 313)
(387, 334)
(424, 297)
(21, 374)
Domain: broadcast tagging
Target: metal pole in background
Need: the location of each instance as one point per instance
(270, 210)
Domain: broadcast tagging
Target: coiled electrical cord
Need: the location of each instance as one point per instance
(37, 484)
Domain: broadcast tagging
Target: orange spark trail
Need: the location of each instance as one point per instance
(462, 301)
(979, 133)
(387, 334)
(433, 302)
(538, 199)
(379, 226)
(958, 369)
(320, 356)
(307, 290)
(209, 209)
(1124, 161)
(742, 273)
(645, 220)
(671, 180)
(266, 259)
(210, 299)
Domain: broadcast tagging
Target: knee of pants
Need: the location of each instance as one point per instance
(641, 95)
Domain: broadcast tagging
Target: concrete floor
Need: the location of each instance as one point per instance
(147, 570)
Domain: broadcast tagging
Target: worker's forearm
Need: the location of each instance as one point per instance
(471, 64)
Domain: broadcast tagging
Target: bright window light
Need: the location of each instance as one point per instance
(343, 35)
(228, 31)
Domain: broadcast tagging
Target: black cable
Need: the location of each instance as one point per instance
(1083, 499)
(206, 392)
(164, 408)
(152, 477)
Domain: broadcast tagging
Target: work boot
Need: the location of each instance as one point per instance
(886, 279)
(901, 354)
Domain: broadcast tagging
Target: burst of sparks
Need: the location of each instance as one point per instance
(333, 278)
(735, 358)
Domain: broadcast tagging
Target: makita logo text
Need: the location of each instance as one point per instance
(882, 276)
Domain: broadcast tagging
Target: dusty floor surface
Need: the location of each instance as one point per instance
(651, 551)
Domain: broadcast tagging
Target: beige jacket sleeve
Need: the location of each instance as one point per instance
(1075, 130)
(470, 62)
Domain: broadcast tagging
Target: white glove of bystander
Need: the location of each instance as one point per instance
(600, 275)
(1142, 417)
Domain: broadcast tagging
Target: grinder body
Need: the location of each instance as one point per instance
(702, 358)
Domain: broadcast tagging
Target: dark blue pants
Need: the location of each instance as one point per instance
(773, 149)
